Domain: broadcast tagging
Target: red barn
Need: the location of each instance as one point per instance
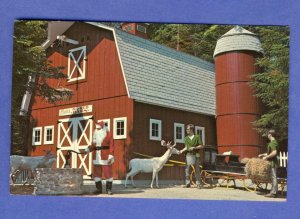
(144, 91)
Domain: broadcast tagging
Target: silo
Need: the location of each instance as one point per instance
(236, 106)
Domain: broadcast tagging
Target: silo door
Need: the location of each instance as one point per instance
(75, 134)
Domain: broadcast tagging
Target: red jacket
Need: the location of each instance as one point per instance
(101, 156)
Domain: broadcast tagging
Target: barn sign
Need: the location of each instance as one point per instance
(76, 110)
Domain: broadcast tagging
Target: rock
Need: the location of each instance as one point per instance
(58, 181)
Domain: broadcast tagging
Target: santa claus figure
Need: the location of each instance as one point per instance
(103, 158)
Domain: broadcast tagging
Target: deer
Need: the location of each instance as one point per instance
(153, 165)
(21, 163)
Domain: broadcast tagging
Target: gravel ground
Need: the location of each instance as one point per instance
(168, 191)
(177, 192)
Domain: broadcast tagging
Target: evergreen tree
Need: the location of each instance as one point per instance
(29, 59)
(270, 84)
(194, 39)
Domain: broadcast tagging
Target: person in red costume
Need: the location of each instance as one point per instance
(103, 158)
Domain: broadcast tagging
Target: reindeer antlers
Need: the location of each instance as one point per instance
(163, 143)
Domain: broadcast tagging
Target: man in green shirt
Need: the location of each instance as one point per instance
(193, 143)
(271, 156)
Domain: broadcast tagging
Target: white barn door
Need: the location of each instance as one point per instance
(75, 134)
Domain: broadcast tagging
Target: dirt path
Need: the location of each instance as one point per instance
(167, 192)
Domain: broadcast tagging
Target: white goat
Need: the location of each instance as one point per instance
(153, 165)
(21, 163)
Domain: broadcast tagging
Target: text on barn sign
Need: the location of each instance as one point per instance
(76, 110)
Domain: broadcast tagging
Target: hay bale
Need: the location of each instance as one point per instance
(245, 160)
(258, 169)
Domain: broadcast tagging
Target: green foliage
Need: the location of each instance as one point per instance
(197, 40)
(29, 59)
(270, 84)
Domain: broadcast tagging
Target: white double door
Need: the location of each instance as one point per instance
(75, 134)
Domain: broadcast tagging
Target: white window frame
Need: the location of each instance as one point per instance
(51, 127)
(180, 125)
(33, 135)
(105, 121)
(203, 132)
(129, 27)
(124, 119)
(155, 138)
(76, 66)
(141, 28)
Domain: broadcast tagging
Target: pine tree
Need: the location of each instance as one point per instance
(29, 59)
(271, 83)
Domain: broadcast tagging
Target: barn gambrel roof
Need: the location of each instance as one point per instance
(159, 75)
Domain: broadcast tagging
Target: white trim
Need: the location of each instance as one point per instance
(128, 27)
(44, 44)
(138, 25)
(123, 119)
(100, 25)
(66, 131)
(180, 125)
(155, 121)
(65, 39)
(76, 143)
(105, 121)
(55, 28)
(75, 110)
(119, 55)
(203, 132)
(76, 61)
(71, 119)
(46, 128)
(33, 135)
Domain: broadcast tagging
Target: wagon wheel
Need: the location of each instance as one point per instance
(203, 175)
(193, 175)
(261, 184)
(253, 185)
(249, 185)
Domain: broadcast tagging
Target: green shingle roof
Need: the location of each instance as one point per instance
(159, 75)
(238, 39)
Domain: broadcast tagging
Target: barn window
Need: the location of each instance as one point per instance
(37, 136)
(155, 130)
(106, 123)
(200, 131)
(48, 134)
(128, 28)
(178, 132)
(141, 28)
(120, 125)
(77, 64)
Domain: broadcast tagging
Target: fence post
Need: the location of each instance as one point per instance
(283, 159)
